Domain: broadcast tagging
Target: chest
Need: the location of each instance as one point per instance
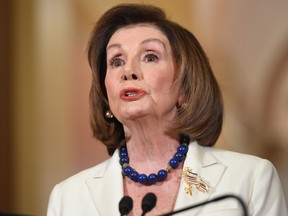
(166, 194)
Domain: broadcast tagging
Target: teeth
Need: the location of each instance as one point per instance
(130, 94)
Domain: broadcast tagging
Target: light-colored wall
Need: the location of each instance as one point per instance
(244, 40)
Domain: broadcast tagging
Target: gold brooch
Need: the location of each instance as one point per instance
(191, 179)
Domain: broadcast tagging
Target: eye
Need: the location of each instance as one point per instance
(151, 57)
(116, 62)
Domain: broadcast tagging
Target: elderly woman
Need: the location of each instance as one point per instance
(156, 105)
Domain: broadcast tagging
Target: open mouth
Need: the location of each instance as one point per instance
(131, 94)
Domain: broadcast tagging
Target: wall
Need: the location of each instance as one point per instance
(246, 42)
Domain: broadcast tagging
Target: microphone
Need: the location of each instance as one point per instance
(125, 205)
(148, 203)
(244, 208)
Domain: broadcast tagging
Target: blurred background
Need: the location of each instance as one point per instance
(45, 81)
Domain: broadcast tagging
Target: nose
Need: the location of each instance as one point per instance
(131, 72)
(132, 69)
(130, 76)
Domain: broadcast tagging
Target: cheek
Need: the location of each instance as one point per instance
(162, 82)
(110, 94)
(109, 84)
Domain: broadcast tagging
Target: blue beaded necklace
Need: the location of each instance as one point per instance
(153, 178)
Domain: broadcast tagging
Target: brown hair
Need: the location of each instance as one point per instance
(202, 116)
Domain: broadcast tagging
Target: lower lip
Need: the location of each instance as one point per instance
(138, 95)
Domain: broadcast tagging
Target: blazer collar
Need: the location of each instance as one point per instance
(202, 161)
(106, 187)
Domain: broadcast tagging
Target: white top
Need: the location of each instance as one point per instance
(98, 190)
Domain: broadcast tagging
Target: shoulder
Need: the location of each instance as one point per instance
(79, 179)
(252, 178)
(231, 158)
(65, 195)
(236, 164)
(246, 168)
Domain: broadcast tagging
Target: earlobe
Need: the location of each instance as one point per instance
(181, 100)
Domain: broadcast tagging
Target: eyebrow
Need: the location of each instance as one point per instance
(143, 42)
(112, 45)
(154, 40)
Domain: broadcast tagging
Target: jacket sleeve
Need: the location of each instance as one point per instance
(267, 198)
(54, 203)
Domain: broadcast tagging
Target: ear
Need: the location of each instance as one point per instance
(181, 101)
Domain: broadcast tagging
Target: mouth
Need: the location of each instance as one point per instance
(132, 94)
(129, 94)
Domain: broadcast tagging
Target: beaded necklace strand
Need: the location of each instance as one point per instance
(161, 175)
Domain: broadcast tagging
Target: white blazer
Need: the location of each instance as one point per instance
(98, 190)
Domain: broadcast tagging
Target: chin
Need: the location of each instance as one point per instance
(133, 114)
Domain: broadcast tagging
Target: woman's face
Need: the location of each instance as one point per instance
(140, 74)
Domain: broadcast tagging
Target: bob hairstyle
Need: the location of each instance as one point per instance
(201, 118)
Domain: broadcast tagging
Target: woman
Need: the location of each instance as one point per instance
(157, 107)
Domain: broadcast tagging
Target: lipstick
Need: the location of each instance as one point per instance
(132, 94)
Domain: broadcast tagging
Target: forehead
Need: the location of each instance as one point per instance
(138, 32)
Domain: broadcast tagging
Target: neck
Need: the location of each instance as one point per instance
(149, 150)
(154, 177)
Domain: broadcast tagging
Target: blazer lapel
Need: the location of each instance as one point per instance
(106, 188)
(204, 163)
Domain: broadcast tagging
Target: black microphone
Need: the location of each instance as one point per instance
(148, 203)
(125, 205)
(244, 208)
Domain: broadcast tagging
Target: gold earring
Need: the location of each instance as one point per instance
(108, 114)
(184, 105)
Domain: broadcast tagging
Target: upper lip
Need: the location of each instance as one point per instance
(131, 93)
